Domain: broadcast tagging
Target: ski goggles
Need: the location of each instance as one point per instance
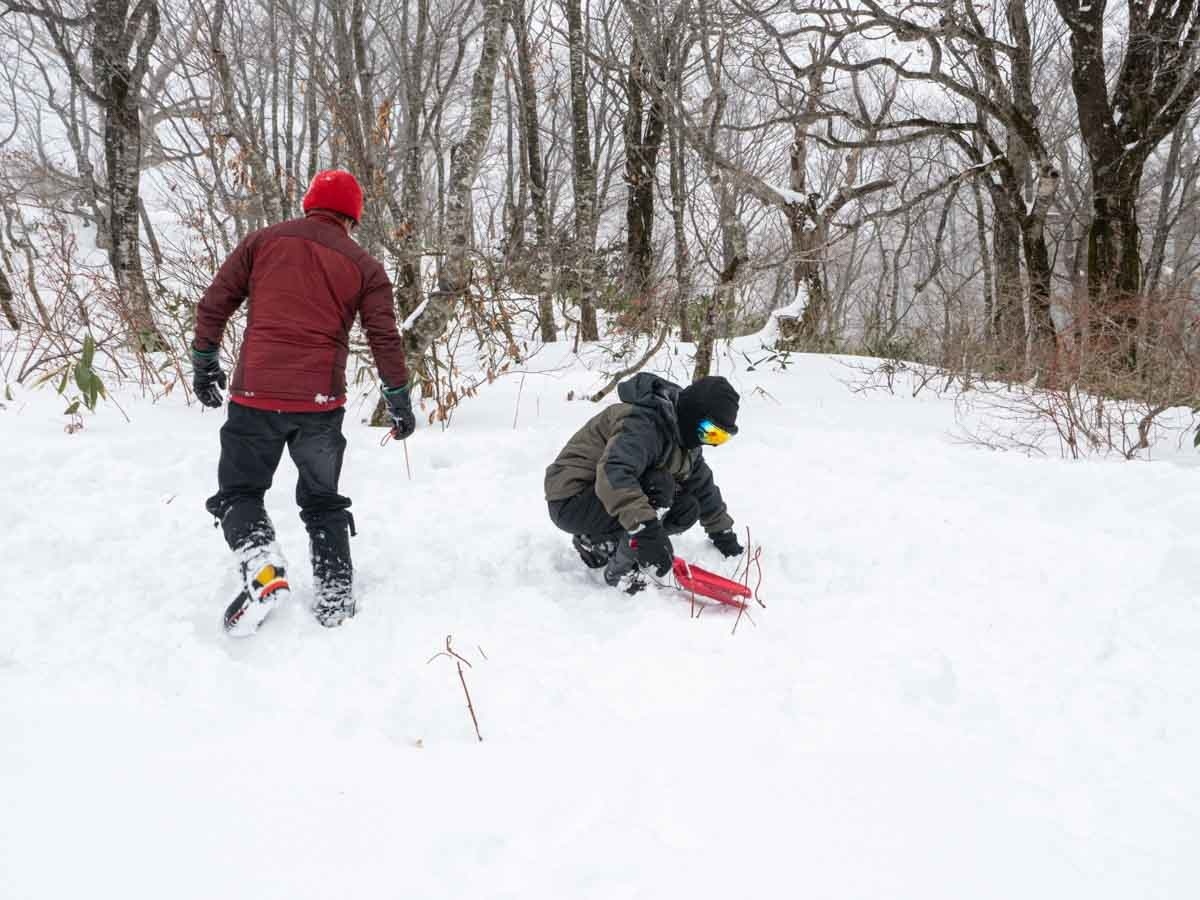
(712, 434)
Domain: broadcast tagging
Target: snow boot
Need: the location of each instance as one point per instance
(595, 552)
(621, 570)
(333, 574)
(263, 572)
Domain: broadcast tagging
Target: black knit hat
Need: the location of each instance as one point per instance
(712, 397)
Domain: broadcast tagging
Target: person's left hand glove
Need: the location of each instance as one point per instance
(727, 543)
(399, 404)
(652, 547)
(208, 377)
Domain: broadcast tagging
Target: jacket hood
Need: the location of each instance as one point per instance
(655, 394)
(648, 389)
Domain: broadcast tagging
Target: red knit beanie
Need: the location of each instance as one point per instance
(336, 190)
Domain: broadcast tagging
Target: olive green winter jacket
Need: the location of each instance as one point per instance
(619, 445)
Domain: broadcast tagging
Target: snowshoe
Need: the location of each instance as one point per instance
(333, 607)
(333, 574)
(265, 586)
(629, 583)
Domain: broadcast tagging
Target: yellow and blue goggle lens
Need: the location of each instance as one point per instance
(711, 433)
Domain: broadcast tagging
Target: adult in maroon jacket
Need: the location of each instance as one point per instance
(305, 281)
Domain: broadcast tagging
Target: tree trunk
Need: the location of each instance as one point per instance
(263, 187)
(985, 261)
(1162, 224)
(734, 255)
(455, 276)
(354, 115)
(683, 256)
(410, 216)
(1114, 261)
(807, 275)
(1121, 122)
(583, 178)
(808, 222)
(531, 133)
(804, 225)
(644, 131)
(6, 302)
(1008, 311)
(1038, 271)
(114, 86)
(312, 106)
(118, 83)
(1031, 181)
(290, 180)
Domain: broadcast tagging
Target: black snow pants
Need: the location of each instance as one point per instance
(252, 442)
(585, 514)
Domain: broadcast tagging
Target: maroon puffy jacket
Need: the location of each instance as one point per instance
(306, 280)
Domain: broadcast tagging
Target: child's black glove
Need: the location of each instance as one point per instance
(208, 377)
(399, 404)
(652, 547)
(727, 543)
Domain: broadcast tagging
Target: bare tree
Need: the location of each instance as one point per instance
(121, 36)
(455, 278)
(1176, 197)
(1122, 121)
(994, 77)
(262, 186)
(535, 169)
(584, 178)
(645, 124)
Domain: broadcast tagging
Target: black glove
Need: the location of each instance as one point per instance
(683, 514)
(399, 404)
(652, 547)
(208, 377)
(659, 488)
(727, 543)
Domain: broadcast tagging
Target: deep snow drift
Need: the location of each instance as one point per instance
(977, 674)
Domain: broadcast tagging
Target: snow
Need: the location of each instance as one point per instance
(414, 315)
(770, 331)
(789, 196)
(976, 675)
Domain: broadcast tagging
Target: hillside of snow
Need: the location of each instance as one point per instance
(977, 674)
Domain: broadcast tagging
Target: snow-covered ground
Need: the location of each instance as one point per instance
(977, 674)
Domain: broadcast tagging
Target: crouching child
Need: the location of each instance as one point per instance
(637, 457)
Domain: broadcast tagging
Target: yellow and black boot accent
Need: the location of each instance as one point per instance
(265, 586)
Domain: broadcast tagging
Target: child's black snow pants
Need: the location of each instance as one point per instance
(584, 514)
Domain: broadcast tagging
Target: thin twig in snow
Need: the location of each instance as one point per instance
(751, 556)
(459, 662)
(517, 411)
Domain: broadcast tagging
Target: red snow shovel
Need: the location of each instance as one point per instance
(708, 584)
